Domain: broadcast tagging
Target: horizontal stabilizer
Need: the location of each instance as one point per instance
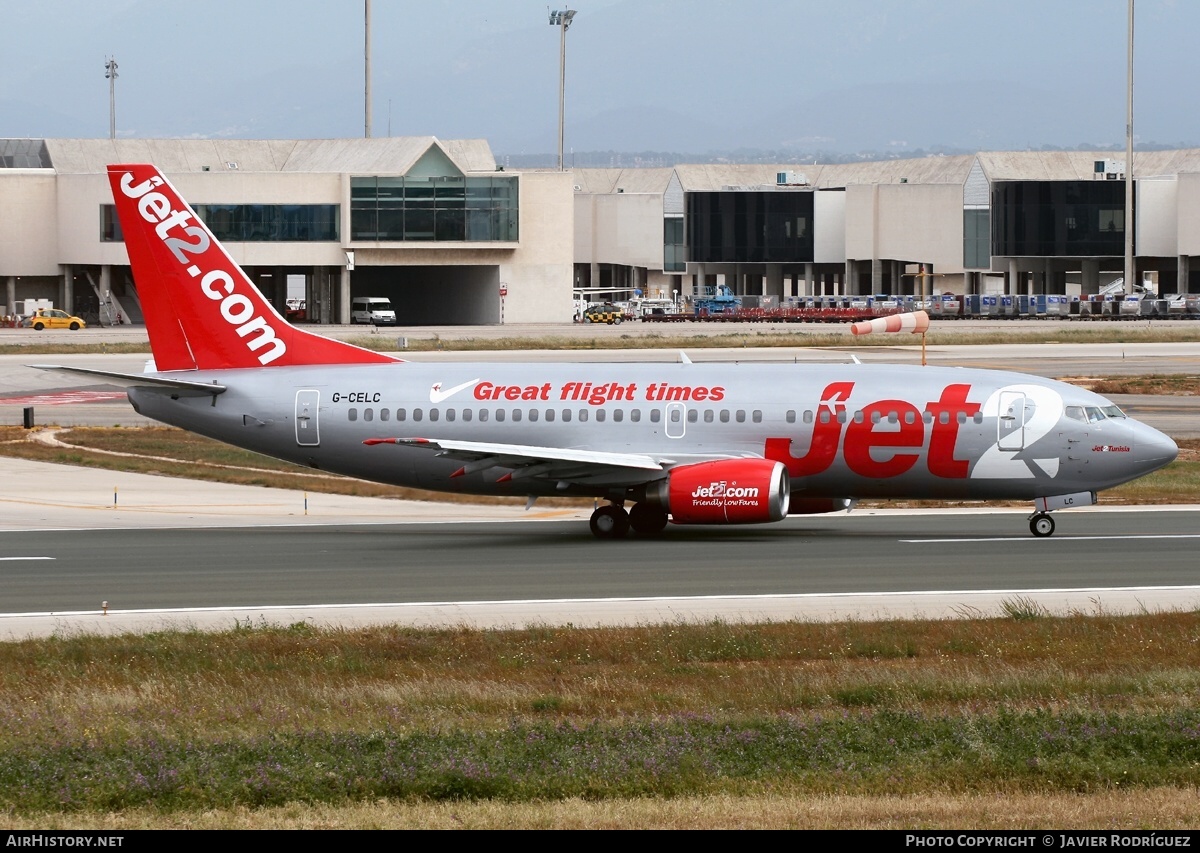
(182, 387)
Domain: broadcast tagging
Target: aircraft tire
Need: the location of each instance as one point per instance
(647, 520)
(1041, 524)
(610, 522)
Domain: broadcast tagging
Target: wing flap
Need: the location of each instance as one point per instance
(564, 464)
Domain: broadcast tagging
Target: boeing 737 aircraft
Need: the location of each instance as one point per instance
(656, 443)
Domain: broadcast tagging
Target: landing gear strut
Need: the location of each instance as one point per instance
(610, 522)
(1041, 524)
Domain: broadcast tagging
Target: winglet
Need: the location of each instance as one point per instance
(201, 310)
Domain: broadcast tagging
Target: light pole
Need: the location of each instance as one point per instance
(562, 20)
(367, 68)
(110, 74)
(1130, 262)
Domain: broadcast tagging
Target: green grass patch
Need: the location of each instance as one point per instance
(264, 715)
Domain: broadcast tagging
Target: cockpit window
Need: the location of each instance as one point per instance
(1094, 414)
(1113, 412)
(1075, 413)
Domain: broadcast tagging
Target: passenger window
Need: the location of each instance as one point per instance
(401, 415)
(808, 417)
(962, 417)
(384, 414)
(740, 417)
(418, 414)
(655, 416)
(618, 415)
(708, 416)
(910, 417)
(693, 416)
(583, 415)
(824, 417)
(516, 416)
(635, 415)
(368, 414)
(790, 417)
(566, 416)
(533, 414)
(927, 416)
(352, 414)
(433, 414)
(466, 414)
(724, 416)
(944, 417)
(449, 414)
(600, 415)
(499, 416)
(550, 415)
(841, 417)
(675, 416)
(483, 415)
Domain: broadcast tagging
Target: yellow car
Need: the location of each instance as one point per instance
(53, 318)
(604, 312)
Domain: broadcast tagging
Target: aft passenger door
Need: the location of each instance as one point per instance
(676, 414)
(308, 433)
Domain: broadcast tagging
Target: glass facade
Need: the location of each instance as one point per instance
(1058, 218)
(750, 227)
(977, 238)
(252, 223)
(674, 254)
(438, 209)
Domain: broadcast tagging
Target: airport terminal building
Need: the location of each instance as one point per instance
(452, 238)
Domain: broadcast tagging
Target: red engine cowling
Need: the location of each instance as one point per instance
(725, 491)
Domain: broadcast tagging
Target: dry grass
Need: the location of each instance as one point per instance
(1153, 809)
(1112, 673)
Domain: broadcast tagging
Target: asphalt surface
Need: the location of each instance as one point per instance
(98, 551)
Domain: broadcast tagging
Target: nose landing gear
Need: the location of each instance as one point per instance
(1041, 524)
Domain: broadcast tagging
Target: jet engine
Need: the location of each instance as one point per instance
(724, 491)
(801, 505)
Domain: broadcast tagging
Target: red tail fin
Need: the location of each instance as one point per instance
(201, 310)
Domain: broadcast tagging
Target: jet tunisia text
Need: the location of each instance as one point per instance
(878, 450)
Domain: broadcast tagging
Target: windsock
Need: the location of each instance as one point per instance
(914, 321)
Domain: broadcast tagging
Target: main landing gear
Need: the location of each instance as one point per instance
(613, 522)
(1041, 524)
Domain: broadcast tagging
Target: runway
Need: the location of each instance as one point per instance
(171, 553)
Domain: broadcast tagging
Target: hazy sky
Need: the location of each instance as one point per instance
(676, 75)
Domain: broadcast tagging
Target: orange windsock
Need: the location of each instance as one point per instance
(914, 321)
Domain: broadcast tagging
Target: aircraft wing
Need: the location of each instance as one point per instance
(563, 464)
(179, 387)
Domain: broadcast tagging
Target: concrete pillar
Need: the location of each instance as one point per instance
(107, 315)
(849, 277)
(1181, 273)
(808, 281)
(67, 290)
(10, 296)
(343, 300)
(773, 285)
(1090, 283)
(876, 276)
(1010, 278)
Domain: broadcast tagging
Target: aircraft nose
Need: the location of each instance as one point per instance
(1151, 448)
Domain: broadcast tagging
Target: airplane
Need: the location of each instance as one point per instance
(657, 443)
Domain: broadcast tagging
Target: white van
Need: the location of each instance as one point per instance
(372, 309)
